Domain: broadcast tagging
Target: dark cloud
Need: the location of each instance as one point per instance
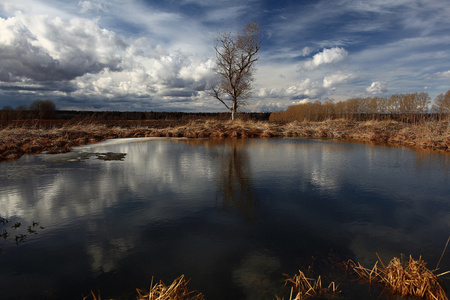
(140, 55)
(51, 50)
(24, 61)
(178, 93)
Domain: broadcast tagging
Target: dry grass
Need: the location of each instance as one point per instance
(17, 140)
(176, 291)
(303, 287)
(404, 278)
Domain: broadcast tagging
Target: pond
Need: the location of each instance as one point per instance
(232, 215)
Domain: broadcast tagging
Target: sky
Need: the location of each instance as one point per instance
(158, 55)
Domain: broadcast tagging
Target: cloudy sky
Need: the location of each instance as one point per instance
(143, 55)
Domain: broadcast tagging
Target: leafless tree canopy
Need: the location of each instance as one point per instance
(236, 56)
(442, 103)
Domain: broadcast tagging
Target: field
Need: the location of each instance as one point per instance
(18, 138)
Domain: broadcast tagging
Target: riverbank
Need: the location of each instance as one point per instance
(21, 138)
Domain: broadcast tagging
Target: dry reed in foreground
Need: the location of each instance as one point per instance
(303, 287)
(400, 278)
(176, 291)
(404, 278)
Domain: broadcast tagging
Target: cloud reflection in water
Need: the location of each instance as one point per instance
(224, 211)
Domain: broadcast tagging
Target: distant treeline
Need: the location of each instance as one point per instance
(151, 115)
(409, 108)
(45, 110)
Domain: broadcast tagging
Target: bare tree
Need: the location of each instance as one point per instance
(442, 105)
(43, 109)
(236, 56)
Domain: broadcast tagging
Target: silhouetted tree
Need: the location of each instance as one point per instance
(43, 109)
(7, 113)
(236, 56)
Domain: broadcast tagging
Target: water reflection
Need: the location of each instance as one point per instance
(233, 215)
(234, 174)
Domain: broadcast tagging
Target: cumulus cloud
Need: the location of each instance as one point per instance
(95, 63)
(145, 75)
(305, 89)
(44, 49)
(20, 59)
(445, 74)
(337, 78)
(264, 106)
(377, 87)
(327, 56)
(95, 50)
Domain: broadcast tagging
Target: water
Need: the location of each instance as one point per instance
(232, 215)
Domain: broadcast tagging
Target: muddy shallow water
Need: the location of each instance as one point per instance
(233, 215)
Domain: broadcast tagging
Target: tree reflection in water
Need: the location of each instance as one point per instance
(234, 181)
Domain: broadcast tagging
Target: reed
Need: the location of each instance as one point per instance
(404, 278)
(303, 287)
(176, 291)
(17, 139)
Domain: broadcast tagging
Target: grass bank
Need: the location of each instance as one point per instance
(20, 138)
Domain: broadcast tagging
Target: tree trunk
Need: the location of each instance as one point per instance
(233, 109)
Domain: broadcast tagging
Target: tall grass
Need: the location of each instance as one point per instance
(303, 287)
(17, 140)
(400, 278)
(404, 278)
(178, 290)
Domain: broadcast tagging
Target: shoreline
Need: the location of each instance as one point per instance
(25, 138)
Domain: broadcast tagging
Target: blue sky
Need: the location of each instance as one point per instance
(143, 55)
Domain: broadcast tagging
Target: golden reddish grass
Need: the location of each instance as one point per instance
(176, 291)
(303, 287)
(404, 278)
(16, 140)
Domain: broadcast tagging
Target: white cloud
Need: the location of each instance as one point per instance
(264, 106)
(306, 51)
(445, 74)
(96, 61)
(327, 56)
(337, 78)
(377, 87)
(305, 89)
(302, 101)
(149, 74)
(87, 6)
(40, 48)
(138, 50)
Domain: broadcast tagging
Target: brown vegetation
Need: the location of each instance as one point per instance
(404, 278)
(19, 138)
(303, 287)
(409, 108)
(177, 290)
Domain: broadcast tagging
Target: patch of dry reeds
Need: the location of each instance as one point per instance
(404, 278)
(17, 140)
(176, 291)
(303, 287)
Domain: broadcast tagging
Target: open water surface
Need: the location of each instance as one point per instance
(232, 215)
